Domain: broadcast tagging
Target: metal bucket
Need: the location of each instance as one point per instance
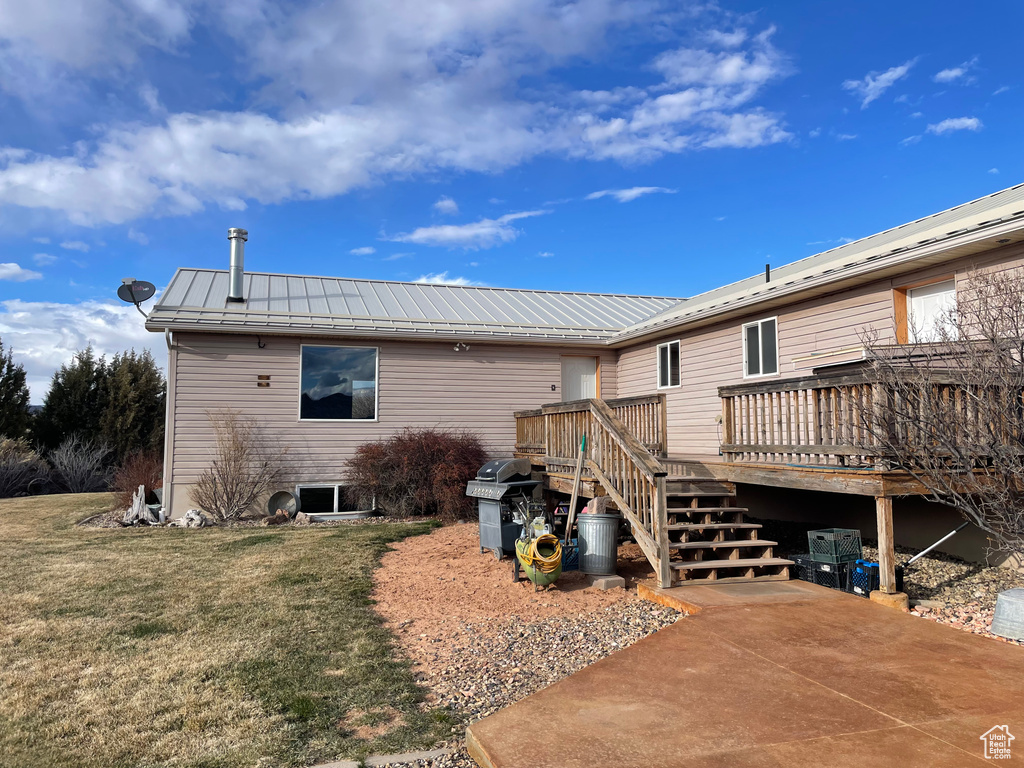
(1008, 620)
(599, 543)
(285, 500)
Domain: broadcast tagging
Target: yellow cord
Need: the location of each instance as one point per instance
(532, 557)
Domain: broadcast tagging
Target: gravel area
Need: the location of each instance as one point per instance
(941, 587)
(480, 642)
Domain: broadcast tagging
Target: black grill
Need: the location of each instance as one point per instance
(498, 485)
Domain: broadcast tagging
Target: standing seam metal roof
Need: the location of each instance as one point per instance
(198, 297)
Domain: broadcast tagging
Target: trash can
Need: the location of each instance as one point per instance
(1008, 620)
(599, 543)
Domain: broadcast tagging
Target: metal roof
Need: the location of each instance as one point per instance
(197, 298)
(966, 221)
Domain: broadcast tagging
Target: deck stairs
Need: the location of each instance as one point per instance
(710, 539)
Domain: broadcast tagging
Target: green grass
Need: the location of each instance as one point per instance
(209, 647)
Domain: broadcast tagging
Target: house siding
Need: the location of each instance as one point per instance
(420, 384)
(713, 356)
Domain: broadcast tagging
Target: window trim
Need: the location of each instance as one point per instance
(336, 486)
(901, 304)
(376, 387)
(760, 348)
(679, 354)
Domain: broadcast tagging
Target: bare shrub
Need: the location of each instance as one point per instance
(417, 472)
(950, 411)
(140, 468)
(19, 467)
(246, 465)
(79, 465)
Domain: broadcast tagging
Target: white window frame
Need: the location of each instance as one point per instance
(679, 356)
(760, 348)
(336, 486)
(376, 387)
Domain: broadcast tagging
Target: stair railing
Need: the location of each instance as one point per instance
(635, 481)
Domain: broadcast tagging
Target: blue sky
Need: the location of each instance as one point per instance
(596, 145)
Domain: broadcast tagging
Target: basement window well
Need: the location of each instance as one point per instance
(323, 499)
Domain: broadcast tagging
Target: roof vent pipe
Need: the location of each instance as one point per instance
(237, 238)
(767, 273)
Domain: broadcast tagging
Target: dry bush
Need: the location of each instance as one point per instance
(417, 472)
(19, 467)
(79, 465)
(950, 411)
(140, 468)
(246, 465)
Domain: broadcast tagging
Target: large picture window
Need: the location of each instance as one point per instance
(338, 383)
(668, 365)
(761, 348)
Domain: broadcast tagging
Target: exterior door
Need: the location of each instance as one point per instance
(579, 378)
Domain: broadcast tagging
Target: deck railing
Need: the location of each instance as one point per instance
(843, 420)
(555, 431)
(623, 438)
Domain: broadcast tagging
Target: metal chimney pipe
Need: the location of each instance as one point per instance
(237, 238)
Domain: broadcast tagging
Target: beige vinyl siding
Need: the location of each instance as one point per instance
(712, 357)
(420, 384)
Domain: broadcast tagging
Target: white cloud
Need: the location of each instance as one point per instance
(961, 72)
(43, 240)
(397, 256)
(446, 206)
(814, 133)
(910, 140)
(485, 233)
(834, 241)
(875, 84)
(1000, 89)
(365, 250)
(353, 94)
(628, 195)
(42, 259)
(45, 335)
(846, 136)
(75, 245)
(545, 254)
(16, 273)
(994, 171)
(720, 218)
(951, 124)
(138, 237)
(441, 278)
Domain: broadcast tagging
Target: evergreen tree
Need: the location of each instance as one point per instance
(14, 415)
(133, 416)
(75, 403)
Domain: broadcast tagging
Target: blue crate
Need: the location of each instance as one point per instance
(571, 556)
(863, 578)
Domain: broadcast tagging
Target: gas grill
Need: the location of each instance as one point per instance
(498, 486)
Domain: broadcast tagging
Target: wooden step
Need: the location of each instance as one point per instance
(678, 510)
(704, 565)
(710, 526)
(692, 488)
(723, 544)
(784, 576)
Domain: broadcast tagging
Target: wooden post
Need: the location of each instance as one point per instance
(661, 533)
(886, 547)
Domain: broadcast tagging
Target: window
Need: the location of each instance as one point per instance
(668, 365)
(321, 499)
(928, 311)
(761, 348)
(338, 383)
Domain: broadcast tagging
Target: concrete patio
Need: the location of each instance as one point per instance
(784, 675)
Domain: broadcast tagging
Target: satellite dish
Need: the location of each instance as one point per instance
(136, 291)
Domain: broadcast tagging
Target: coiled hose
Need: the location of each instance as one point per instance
(532, 557)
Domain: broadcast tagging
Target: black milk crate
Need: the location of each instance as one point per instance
(831, 575)
(835, 545)
(803, 567)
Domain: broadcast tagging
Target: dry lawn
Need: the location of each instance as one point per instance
(212, 647)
